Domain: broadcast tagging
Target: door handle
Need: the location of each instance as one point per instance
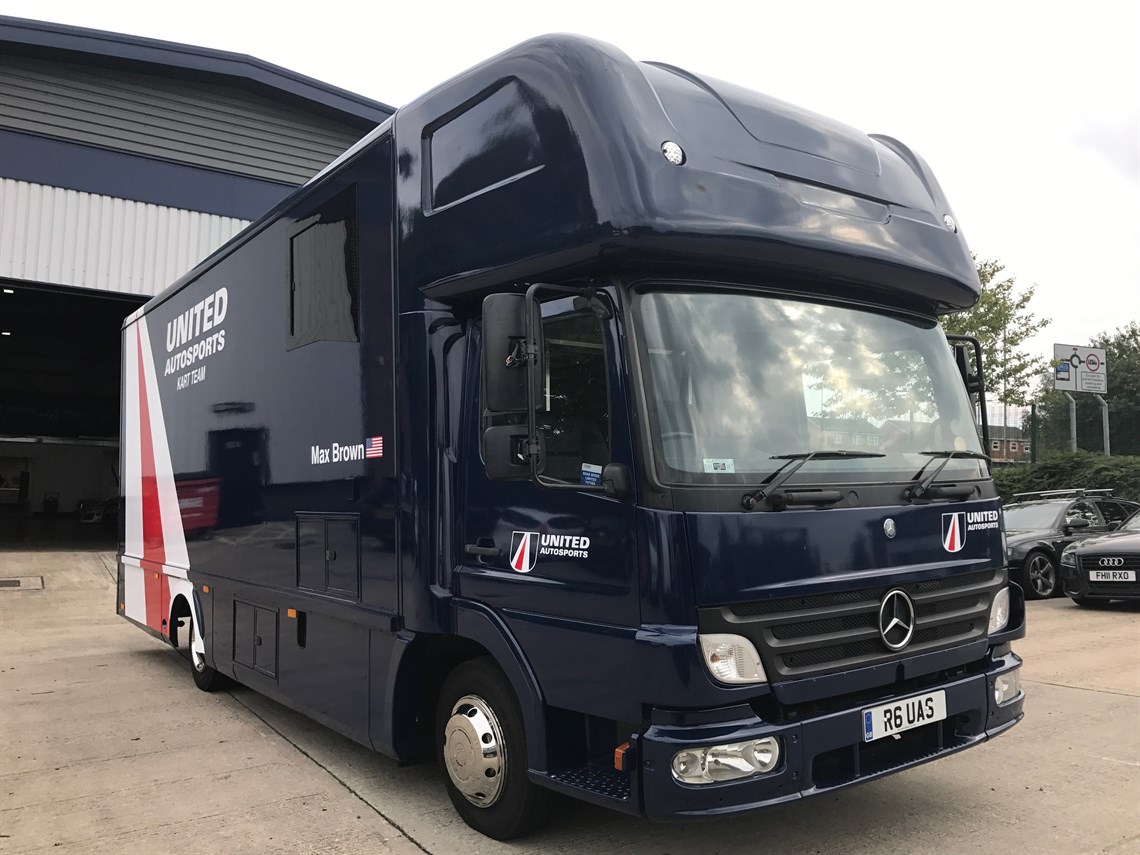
(482, 551)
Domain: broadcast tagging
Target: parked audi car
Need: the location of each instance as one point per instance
(1039, 528)
(1099, 569)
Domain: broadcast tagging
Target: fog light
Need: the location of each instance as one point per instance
(732, 659)
(999, 611)
(727, 762)
(1007, 686)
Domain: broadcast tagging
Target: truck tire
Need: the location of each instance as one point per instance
(482, 751)
(1039, 577)
(205, 678)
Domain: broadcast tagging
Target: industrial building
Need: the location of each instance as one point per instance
(124, 161)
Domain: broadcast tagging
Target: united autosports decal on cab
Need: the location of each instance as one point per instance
(528, 546)
(957, 525)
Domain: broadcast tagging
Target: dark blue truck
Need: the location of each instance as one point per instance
(587, 426)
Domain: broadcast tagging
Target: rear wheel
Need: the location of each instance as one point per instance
(205, 678)
(1039, 576)
(482, 750)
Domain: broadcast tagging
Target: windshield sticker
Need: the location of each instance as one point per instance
(591, 474)
(720, 464)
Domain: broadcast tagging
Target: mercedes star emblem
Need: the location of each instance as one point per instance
(896, 619)
(889, 527)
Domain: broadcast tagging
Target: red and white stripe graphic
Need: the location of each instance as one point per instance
(155, 544)
(953, 531)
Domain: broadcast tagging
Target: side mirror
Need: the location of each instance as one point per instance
(616, 481)
(504, 452)
(504, 353)
(971, 381)
(965, 346)
(1076, 523)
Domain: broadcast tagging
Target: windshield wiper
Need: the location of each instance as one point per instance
(921, 486)
(778, 500)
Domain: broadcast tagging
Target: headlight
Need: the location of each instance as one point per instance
(732, 659)
(1007, 686)
(999, 611)
(726, 762)
(1069, 556)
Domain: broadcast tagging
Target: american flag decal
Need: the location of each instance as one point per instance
(374, 446)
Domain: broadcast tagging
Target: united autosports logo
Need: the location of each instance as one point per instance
(957, 525)
(528, 546)
(953, 531)
(524, 550)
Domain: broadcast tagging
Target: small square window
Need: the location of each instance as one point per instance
(324, 274)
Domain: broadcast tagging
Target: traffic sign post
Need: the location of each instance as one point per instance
(1081, 369)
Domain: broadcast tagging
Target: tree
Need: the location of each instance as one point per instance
(1122, 354)
(1002, 322)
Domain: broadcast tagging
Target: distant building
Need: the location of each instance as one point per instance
(830, 432)
(1008, 443)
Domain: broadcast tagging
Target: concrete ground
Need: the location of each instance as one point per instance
(106, 746)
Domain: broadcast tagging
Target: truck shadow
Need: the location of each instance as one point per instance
(413, 798)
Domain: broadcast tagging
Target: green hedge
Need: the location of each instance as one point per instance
(1063, 471)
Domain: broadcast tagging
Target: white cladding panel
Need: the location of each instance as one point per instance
(65, 237)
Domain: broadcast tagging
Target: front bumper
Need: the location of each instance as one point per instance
(821, 753)
(1075, 583)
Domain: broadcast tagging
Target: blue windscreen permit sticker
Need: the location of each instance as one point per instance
(720, 465)
(591, 474)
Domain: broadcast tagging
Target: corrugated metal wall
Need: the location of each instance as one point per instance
(64, 237)
(178, 120)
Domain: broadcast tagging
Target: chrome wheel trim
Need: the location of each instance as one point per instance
(474, 751)
(199, 661)
(1042, 576)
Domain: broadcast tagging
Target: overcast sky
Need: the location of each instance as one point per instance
(1029, 113)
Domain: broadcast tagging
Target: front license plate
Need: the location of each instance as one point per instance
(897, 716)
(1112, 575)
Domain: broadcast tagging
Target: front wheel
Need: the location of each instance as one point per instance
(482, 749)
(1039, 575)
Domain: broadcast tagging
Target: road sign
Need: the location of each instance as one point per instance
(1079, 369)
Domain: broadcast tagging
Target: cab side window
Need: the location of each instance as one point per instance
(574, 412)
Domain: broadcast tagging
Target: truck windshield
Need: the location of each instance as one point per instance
(736, 380)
